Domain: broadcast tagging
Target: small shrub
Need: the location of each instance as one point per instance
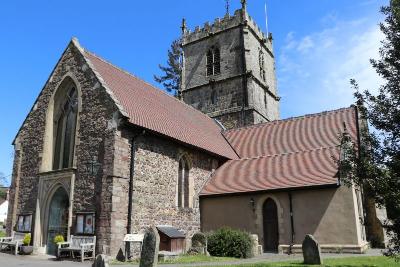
(227, 242)
(58, 239)
(199, 240)
(27, 240)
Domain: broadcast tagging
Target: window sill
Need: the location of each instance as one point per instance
(67, 170)
(180, 209)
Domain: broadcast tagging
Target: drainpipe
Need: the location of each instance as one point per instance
(130, 192)
(291, 223)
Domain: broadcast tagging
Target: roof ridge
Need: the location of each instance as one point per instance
(149, 84)
(288, 153)
(311, 115)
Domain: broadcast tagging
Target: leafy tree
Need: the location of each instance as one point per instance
(171, 80)
(3, 181)
(375, 165)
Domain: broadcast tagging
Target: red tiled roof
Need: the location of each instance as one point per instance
(151, 108)
(295, 134)
(297, 152)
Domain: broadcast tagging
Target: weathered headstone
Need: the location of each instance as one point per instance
(257, 249)
(311, 251)
(151, 243)
(100, 261)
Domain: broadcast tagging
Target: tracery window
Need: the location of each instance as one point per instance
(261, 64)
(213, 61)
(65, 119)
(183, 184)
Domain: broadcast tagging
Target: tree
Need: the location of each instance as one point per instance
(375, 165)
(171, 80)
(3, 182)
(3, 179)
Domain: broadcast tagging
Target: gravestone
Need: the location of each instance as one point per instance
(149, 253)
(100, 261)
(311, 251)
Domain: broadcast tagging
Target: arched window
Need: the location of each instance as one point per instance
(213, 61)
(213, 97)
(265, 98)
(183, 184)
(65, 118)
(261, 64)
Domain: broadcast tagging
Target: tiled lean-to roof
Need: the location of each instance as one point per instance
(153, 109)
(291, 153)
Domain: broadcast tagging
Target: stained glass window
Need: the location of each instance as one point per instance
(65, 131)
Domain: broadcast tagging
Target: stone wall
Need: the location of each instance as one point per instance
(155, 186)
(239, 86)
(94, 136)
(14, 190)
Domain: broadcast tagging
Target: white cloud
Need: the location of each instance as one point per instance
(318, 77)
(305, 44)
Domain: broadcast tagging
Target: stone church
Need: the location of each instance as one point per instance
(104, 153)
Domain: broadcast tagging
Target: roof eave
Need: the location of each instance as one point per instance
(286, 189)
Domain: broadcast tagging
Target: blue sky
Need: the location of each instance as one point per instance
(319, 45)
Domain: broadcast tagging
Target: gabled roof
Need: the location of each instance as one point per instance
(149, 107)
(170, 231)
(153, 109)
(286, 154)
(308, 132)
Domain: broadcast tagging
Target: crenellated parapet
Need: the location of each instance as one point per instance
(239, 18)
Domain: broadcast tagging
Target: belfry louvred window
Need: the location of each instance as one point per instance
(213, 61)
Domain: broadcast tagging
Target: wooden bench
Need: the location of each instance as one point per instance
(85, 245)
(13, 241)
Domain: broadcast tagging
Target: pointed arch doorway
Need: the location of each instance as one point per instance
(270, 226)
(57, 218)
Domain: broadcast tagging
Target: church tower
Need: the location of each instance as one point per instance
(229, 71)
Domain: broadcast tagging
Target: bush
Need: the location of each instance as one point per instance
(58, 239)
(227, 242)
(27, 240)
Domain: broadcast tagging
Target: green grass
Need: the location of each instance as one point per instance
(343, 262)
(186, 259)
(2, 230)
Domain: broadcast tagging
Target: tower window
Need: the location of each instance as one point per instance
(213, 61)
(262, 65)
(265, 98)
(183, 184)
(214, 97)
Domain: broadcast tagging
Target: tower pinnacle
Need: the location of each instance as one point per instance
(244, 4)
(183, 27)
(227, 6)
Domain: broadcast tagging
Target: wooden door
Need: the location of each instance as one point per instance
(270, 223)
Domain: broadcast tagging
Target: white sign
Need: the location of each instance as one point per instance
(133, 238)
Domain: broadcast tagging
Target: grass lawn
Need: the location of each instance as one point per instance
(196, 258)
(185, 259)
(344, 262)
